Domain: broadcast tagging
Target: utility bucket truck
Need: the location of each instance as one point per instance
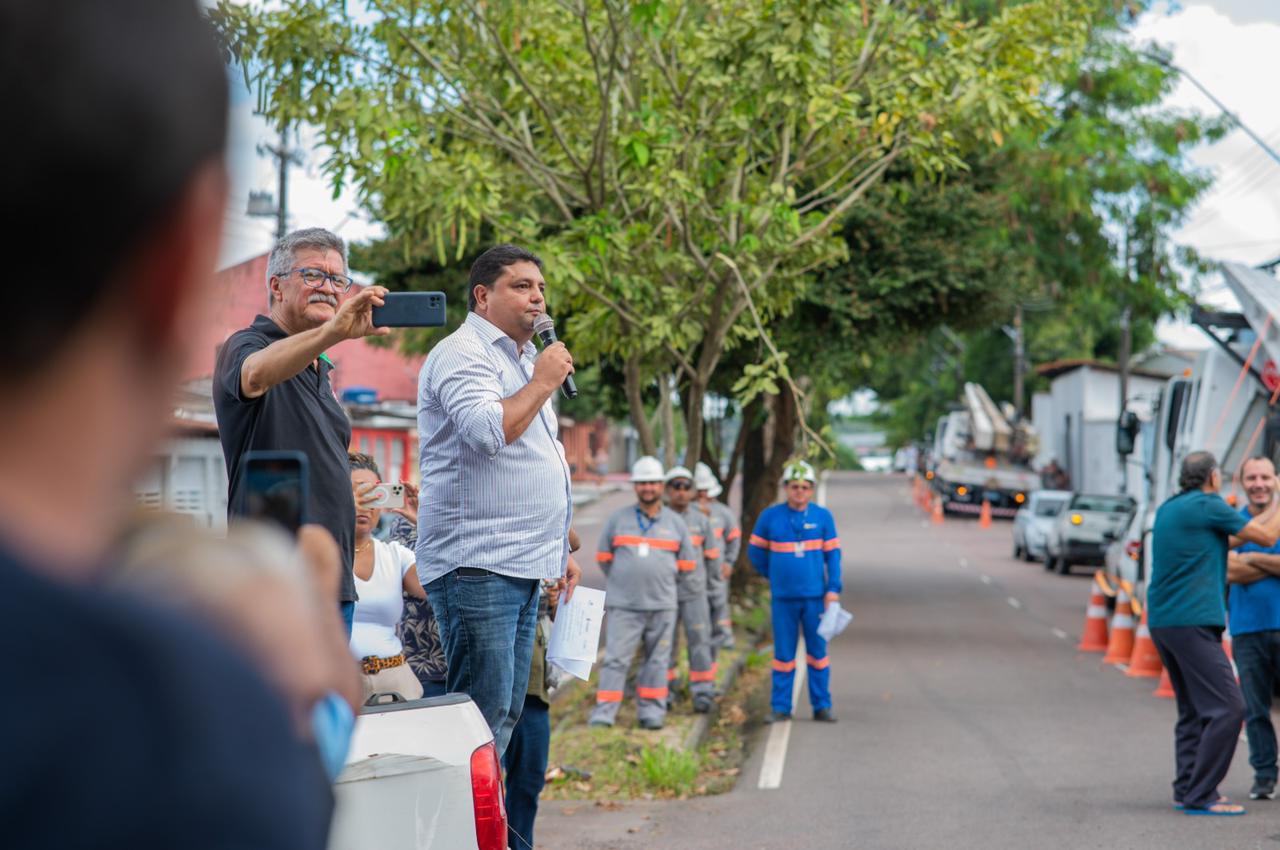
(1221, 406)
(982, 453)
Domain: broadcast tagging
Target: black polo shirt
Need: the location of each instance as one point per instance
(300, 414)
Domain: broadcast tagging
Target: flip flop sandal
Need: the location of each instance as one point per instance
(1221, 810)
(1178, 806)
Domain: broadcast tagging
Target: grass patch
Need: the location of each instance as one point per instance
(671, 771)
(625, 762)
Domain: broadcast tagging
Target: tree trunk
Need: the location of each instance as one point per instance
(766, 450)
(693, 421)
(635, 407)
(667, 417)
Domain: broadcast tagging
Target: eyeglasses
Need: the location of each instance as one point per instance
(680, 485)
(315, 278)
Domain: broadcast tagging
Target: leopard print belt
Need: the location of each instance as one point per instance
(371, 664)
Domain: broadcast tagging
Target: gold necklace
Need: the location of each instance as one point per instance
(360, 549)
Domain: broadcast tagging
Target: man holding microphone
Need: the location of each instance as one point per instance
(495, 502)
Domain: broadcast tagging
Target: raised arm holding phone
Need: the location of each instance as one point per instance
(271, 388)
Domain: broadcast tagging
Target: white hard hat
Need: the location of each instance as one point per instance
(678, 472)
(799, 470)
(646, 469)
(704, 479)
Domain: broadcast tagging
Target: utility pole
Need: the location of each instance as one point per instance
(1019, 360)
(1126, 342)
(261, 203)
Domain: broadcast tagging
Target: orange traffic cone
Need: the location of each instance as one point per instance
(984, 518)
(1165, 688)
(938, 516)
(1145, 661)
(1120, 647)
(1095, 622)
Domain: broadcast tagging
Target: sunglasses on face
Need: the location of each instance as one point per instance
(680, 485)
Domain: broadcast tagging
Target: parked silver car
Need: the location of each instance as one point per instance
(1082, 532)
(1034, 521)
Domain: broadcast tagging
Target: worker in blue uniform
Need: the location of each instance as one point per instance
(795, 546)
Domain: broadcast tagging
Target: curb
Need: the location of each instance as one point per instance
(702, 723)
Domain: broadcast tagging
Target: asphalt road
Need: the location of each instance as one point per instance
(967, 718)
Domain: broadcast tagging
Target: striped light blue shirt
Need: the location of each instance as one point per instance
(484, 503)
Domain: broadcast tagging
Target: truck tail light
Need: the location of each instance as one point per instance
(487, 796)
(1133, 549)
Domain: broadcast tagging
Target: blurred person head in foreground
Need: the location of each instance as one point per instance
(137, 727)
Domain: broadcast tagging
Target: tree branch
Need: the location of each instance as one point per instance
(785, 374)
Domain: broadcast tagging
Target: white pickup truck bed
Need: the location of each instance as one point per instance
(408, 780)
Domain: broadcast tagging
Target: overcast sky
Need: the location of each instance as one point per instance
(1231, 46)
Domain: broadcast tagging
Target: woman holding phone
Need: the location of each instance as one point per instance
(383, 572)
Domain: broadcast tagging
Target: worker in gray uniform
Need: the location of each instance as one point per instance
(694, 619)
(642, 549)
(724, 524)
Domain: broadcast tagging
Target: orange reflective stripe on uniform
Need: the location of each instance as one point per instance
(783, 666)
(703, 675)
(671, 675)
(697, 539)
(651, 693)
(712, 553)
(654, 542)
(818, 663)
(608, 696)
(604, 557)
(719, 532)
(833, 543)
(807, 545)
(686, 566)
(757, 540)
(736, 533)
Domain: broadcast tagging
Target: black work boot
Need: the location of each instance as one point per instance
(824, 715)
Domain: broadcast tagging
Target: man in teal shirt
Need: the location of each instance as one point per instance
(1187, 614)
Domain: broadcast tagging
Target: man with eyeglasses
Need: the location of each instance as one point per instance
(271, 388)
(795, 546)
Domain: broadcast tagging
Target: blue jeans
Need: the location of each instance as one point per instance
(1258, 660)
(432, 689)
(526, 764)
(347, 610)
(487, 623)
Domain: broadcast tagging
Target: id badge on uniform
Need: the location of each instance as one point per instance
(799, 550)
(643, 550)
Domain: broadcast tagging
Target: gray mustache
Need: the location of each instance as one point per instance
(321, 297)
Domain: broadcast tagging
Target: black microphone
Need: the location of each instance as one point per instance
(545, 327)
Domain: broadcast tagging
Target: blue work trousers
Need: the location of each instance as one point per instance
(1258, 660)
(789, 617)
(487, 623)
(526, 764)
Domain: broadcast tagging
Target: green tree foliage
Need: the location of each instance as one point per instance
(684, 167)
(1082, 233)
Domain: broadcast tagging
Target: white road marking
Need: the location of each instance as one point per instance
(1059, 634)
(1014, 603)
(775, 749)
(986, 579)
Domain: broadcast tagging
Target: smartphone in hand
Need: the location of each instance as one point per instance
(410, 310)
(275, 488)
(386, 496)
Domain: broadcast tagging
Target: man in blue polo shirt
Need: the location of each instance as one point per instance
(1185, 607)
(1254, 573)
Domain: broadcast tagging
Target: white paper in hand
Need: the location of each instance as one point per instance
(575, 635)
(834, 620)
